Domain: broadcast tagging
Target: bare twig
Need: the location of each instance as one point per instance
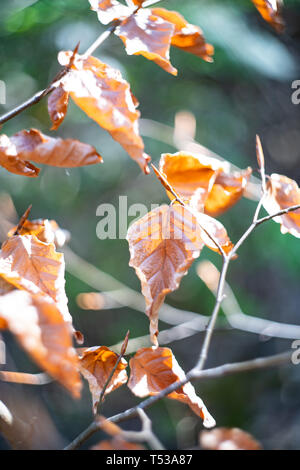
(194, 374)
(24, 378)
(53, 85)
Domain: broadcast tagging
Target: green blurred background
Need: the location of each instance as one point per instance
(247, 90)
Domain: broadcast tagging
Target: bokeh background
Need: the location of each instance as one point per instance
(247, 90)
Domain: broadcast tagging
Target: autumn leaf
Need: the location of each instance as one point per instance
(34, 266)
(270, 10)
(45, 230)
(145, 33)
(102, 93)
(283, 192)
(187, 37)
(228, 439)
(10, 160)
(205, 183)
(57, 106)
(213, 233)
(109, 10)
(39, 148)
(42, 331)
(227, 190)
(154, 369)
(163, 244)
(96, 364)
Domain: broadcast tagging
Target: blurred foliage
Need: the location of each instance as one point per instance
(247, 90)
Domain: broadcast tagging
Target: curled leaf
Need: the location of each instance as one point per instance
(186, 36)
(102, 93)
(228, 439)
(32, 265)
(283, 192)
(96, 365)
(42, 331)
(109, 10)
(45, 230)
(154, 369)
(213, 233)
(145, 33)
(39, 148)
(270, 10)
(163, 244)
(10, 160)
(205, 183)
(57, 106)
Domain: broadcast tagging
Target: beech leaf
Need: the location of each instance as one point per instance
(39, 148)
(270, 10)
(145, 33)
(102, 93)
(32, 265)
(109, 10)
(186, 36)
(154, 369)
(163, 244)
(283, 192)
(57, 106)
(205, 183)
(96, 364)
(42, 331)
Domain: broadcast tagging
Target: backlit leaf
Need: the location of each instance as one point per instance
(102, 93)
(39, 148)
(163, 244)
(187, 37)
(32, 265)
(205, 183)
(42, 331)
(270, 10)
(96, 364)
(283, 192)
(58, 106)
(109, 10)
(145, 33)
(154, 369)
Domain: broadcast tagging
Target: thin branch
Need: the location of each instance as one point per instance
(194, 374)
(53, 85)
(24, 378)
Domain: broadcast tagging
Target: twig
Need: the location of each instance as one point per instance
(194, 374)
(41, 94)
(123, 350)
(145, 435)
(24, 378)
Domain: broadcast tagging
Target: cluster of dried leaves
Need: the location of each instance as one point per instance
(102, 93)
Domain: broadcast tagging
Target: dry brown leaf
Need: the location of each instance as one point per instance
(154, 369)
(146, 34)
(109, 10)
(39, 148)
(270, 10)
(96, 364)
(58, 106)
(102, 93)
(186, 36)
(163, 244)
(10, 160)
(205, 183)
(31, 265)
(228, 439)
(43, 333)
(117, 443)
(226, 191)
(283, 192)
(45, 230)
(213, 231)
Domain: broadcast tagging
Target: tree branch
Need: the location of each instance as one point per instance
(194, 374)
